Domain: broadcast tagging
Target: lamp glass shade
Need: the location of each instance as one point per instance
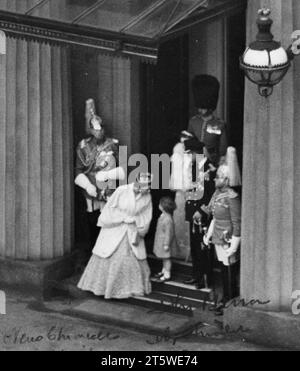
(265, 62)
(265, 58)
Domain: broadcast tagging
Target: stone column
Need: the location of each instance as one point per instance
(36, 191)
(270, 267)
(270, 262)
(119, 99)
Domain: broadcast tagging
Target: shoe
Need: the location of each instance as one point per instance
(191, 281)
(200, 286)
(165, 279)
(158, 275)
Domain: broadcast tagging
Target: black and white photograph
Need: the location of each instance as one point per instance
(149, 163)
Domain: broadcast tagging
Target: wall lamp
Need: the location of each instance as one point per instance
(265, 62)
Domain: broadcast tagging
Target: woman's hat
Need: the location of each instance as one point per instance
(144, 178)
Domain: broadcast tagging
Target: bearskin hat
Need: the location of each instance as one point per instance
(206, 91)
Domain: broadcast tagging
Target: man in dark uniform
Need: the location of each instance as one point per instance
(205, 126)
(96, 168)
(197, 197)
(210, 131)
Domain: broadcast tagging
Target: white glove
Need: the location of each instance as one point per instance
(101, 176)
(235, 243)
(209, 234)
(91, 190)
(83, 182)
(206, 240)
(117, 173)
(197, 216)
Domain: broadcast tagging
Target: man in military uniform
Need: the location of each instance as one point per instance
(225, 228)
(96, 168)
(196, 197)
(209, 130)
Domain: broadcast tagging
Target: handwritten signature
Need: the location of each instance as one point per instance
(18, 336)
(198, 331)
(177, 303)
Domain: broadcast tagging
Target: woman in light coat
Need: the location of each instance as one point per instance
(118, 267)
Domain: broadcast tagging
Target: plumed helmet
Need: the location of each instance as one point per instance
(230, 168)
(92, 120)
(206, 91)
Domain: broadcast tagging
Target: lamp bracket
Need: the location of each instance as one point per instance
(295, 47)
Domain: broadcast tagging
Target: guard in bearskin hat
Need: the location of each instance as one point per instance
(96, 168)
(205, 126)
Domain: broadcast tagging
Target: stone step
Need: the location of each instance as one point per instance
(133, 317)
(157, 301)
(177, 288)
(167, 290)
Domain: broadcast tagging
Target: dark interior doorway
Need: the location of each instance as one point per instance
(165, 105)
(236, 36)
(166, 101)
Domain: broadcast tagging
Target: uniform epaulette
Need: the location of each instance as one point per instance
(232, 193)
